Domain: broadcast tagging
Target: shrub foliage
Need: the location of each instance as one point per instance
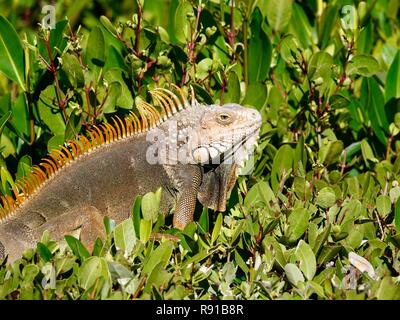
(319, 217)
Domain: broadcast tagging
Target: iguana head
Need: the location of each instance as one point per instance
(218, 138)
(203, 134)
(227, 135)
(224, 134)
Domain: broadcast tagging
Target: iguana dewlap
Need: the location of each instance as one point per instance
(180, 149)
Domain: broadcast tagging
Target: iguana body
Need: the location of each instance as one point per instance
(80, 187)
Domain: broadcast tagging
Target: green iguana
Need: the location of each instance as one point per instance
(191, 150)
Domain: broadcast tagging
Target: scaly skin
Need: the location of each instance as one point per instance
(105, 181)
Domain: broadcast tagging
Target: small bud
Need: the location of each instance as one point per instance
(135, 19)
(397, 120)
(336, 229)
(347, 81)
(73, 105)
(362, 10)
(393, 129)
(319, 81)
(164, 62)
(203, 39)
(190, 14)
(211, 31)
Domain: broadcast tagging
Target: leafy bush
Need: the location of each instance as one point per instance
(320, 215)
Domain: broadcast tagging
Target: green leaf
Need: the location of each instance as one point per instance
(20, 117)
(3, 121)
(108, 25)
(320, 66)
(161, 254)
(397, 216)
(115, 59)
(6, 178)
(97, 247)
(204, 68)
(125, 99)
(279, 13)
(151, 205)
(240, 262)
(77, 247)
(293, 274)
(95, 50)
(145, 230)
(204, 221)
(383, 205)
(92, 269)
(12, 63)
(326, 198)
(388, 289)
(321, 239)
(392, 86)
(260, 50)
(256, 95)
(44, 252)
(49, 113)
(259, 195)
(181, 25)
(300, 26)
(351, 150)
(111, 97)
(124, 236)
(298, 223)
(24, 166)
(72, 67)
(306, 257)
(367, 152)
(375, 106)
(233, 89)
(55, 142)
(109, 224)
(73, 126)
(362, 65)
(328, 22)
(159, 277)
(29, 273)
(330, 152)
(290, 49)
(328, 253)
(136, 214)
(217, 228)
(282, 165)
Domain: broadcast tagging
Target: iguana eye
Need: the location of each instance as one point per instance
(224, 118)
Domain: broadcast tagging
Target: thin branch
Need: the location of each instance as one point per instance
(231, 34)
(138, 30)
(53, 70)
